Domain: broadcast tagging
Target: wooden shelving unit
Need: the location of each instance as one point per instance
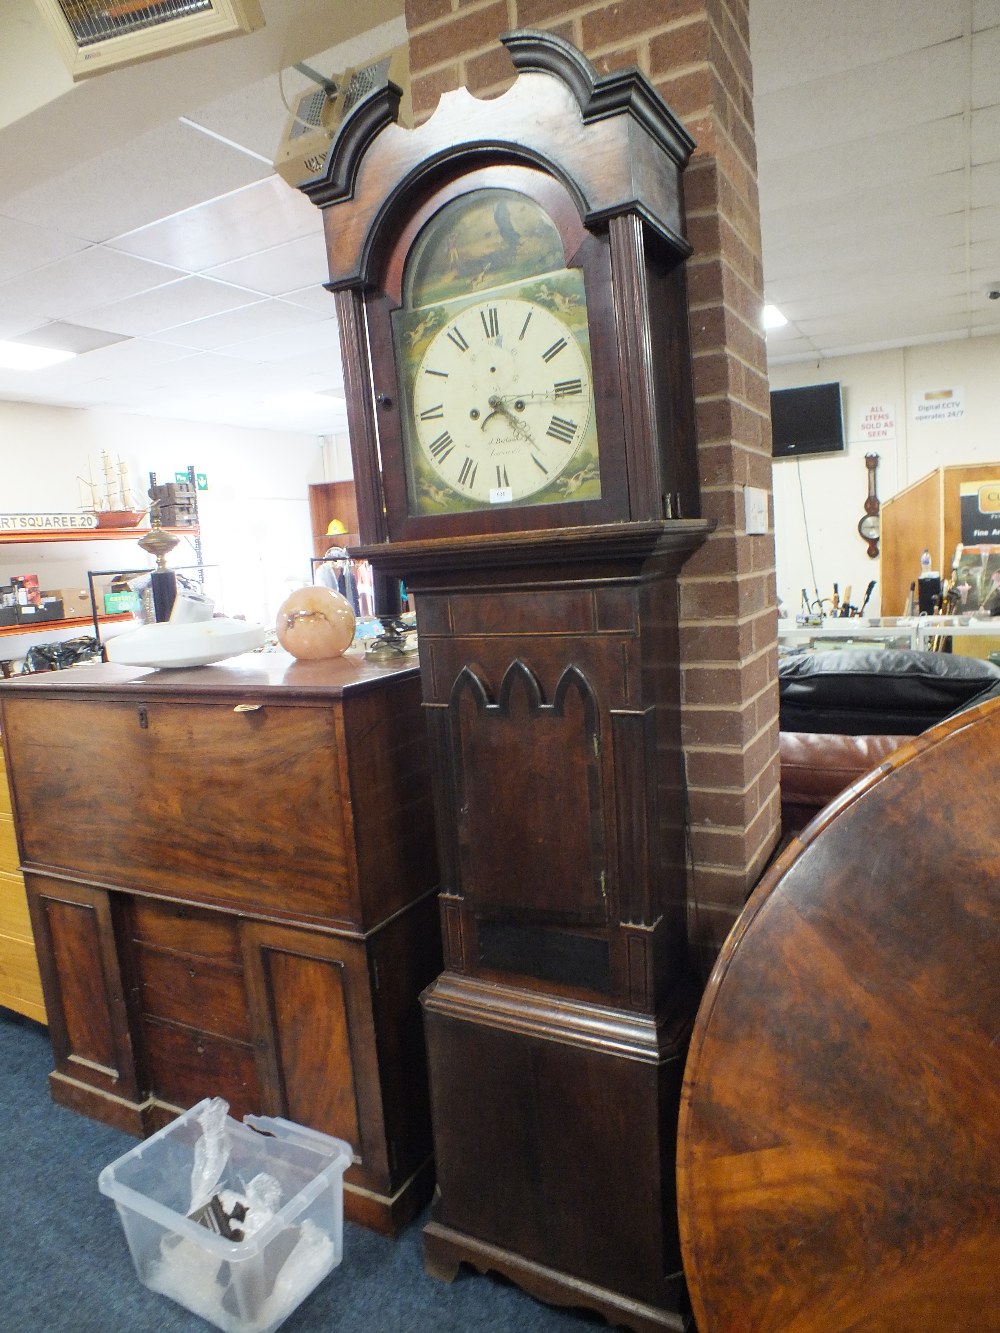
(332, 499)
(71, 622)
(74, 536)
(85, 535)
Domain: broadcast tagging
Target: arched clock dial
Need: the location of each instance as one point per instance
(502, 401)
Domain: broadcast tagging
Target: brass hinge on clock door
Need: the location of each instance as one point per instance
(604, 886)
(597, 745)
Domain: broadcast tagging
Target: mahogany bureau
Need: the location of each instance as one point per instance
(232, 881)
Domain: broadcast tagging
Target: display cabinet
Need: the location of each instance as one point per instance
(924, 515)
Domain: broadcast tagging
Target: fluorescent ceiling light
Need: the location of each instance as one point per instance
(24, 356)
(772, 318)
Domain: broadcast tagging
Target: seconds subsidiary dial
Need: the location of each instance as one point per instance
(502, 401)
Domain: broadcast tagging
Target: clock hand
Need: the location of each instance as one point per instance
(500, 408)
(535, 396)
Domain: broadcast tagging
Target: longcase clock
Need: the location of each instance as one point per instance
(510, 288)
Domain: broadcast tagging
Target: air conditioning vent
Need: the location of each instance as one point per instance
(318, 113)
(98, 35)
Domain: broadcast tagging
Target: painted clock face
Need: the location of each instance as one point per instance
(493, 351)
(502, 402)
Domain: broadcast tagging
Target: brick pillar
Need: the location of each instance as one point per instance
(697, 54)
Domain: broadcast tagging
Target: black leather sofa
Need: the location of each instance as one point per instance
(843, 712)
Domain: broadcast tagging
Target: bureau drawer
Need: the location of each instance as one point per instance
(184, 929)
(184, 1065)
(182, 988)
(194, 799)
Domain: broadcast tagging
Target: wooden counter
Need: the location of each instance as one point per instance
(232, 882)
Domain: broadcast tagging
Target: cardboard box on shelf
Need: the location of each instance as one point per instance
(76, 601)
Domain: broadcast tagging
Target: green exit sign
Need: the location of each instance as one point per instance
(201, 480)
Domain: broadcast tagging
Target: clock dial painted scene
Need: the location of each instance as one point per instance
(498, 401)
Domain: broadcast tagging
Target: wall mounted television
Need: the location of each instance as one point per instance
(805, 421)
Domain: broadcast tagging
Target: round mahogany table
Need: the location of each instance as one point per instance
(839, 1141)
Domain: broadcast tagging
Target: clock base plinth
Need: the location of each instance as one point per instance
(446, 1250)
(554, 1132)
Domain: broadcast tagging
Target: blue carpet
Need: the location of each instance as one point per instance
(64, 1263)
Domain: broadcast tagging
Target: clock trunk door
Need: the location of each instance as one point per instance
(530, 810)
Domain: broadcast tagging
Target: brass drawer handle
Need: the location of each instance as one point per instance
(248, 708)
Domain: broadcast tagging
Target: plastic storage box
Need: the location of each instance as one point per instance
(289, 1180)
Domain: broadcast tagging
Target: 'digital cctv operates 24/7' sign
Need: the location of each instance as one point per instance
(46, 522)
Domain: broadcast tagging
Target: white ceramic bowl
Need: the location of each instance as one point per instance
(179, 645)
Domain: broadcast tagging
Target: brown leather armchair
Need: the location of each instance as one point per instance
(842, 713)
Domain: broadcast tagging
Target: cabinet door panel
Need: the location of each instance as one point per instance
(313, 1042)
(84, 995)
(298, 986)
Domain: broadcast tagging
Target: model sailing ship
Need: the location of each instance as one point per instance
(110, 498)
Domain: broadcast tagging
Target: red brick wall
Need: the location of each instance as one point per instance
(696, 52)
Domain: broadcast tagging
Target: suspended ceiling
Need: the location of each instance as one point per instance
(140, 209)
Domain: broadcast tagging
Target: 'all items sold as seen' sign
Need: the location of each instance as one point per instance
(878, 422)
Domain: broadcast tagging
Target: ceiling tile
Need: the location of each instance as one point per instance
(91, 277)
(797, 43)
(908, 154)
(894, 205)
(159, 173)
(121, 360)
(863, 233)
(266, 214)
(984, 225)
(985, 185)
(283, 268)
(25, 246)
(313, 297)
(260, 320)
(986, 65)
(985, 135)
(321, 337)
(168, 306)
(906, 91)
